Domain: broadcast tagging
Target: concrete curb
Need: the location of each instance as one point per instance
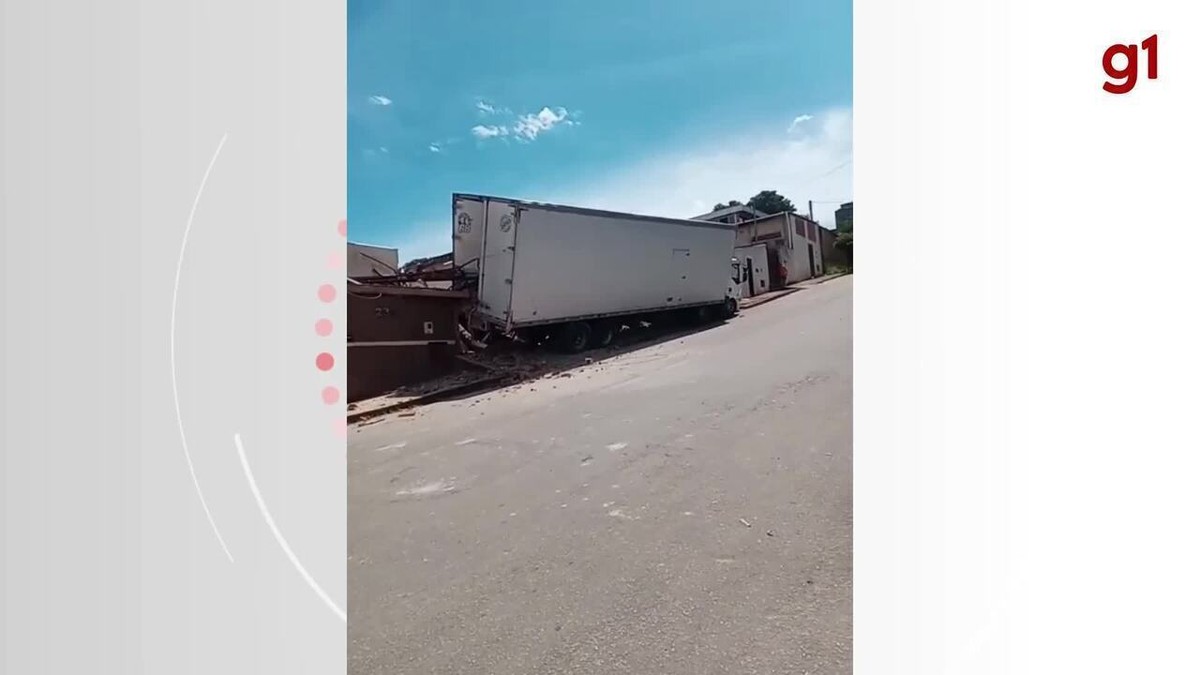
(431, 397)
(829, 277)
(807, 283)
(777, 295)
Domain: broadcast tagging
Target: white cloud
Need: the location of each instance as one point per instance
(379, 100)
(434, 147)
(525, 128)
(485, 132)
(528, 127)
(383, 150)
(486, 108)
(814, 164)
(797, 122)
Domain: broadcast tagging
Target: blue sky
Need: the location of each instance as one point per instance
(661, 107)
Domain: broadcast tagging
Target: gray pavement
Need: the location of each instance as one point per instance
(685, 508)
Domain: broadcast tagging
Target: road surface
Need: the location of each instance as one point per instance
(684, 508)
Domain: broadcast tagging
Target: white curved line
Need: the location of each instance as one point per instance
(262, 506)
(174, 380)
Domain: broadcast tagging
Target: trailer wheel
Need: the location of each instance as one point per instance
(731, 308)
(603, 333)
(574, 337)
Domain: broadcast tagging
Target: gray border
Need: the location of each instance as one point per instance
(174, 174)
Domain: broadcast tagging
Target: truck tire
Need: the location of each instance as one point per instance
(574, 337)
(603, 333)
(730, 308)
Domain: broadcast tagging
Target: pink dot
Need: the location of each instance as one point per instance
(326, 293)
(330, 395)
(324, 327)
(325, 361)
(336, 260)
(342, 227)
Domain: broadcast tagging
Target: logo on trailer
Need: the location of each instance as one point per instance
(464, 223)
(506, 223)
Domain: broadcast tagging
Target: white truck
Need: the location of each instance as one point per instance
(577, 275)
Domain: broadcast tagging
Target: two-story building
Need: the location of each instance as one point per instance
(791, 241)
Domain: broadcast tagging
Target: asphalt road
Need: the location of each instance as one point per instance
(684, 508)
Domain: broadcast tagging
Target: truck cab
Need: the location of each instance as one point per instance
(737, 276)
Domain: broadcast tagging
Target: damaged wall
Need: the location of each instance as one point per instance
(398, 336)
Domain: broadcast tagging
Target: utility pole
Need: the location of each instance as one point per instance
(810, 217)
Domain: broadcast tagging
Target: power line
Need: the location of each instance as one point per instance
(822, 175)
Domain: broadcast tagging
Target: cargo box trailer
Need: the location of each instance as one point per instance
(577, 274)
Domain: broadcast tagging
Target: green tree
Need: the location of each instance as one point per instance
(845, 244)
(771, 202)
(732, 202)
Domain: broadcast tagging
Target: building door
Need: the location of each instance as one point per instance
(812, 261)
(774, 280)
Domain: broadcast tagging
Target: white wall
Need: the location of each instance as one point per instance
(757, 255)
(798, 242)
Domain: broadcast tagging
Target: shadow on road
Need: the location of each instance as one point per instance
(504, 363)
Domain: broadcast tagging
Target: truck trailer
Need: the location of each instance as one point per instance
(577, 275)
